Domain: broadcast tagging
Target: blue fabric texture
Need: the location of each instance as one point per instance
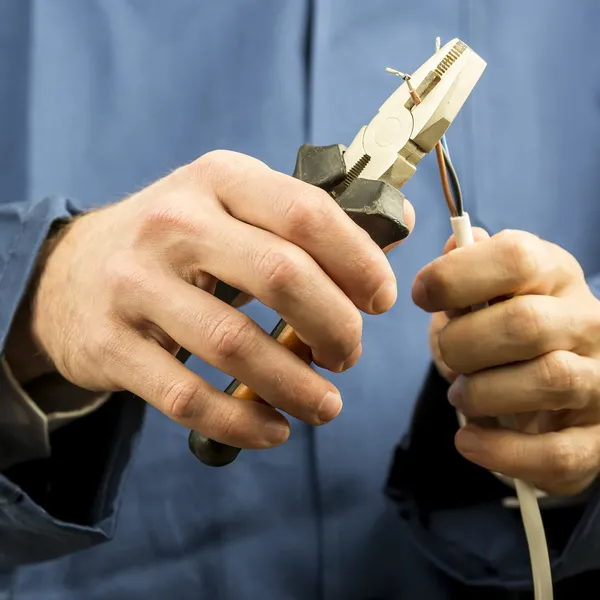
(27, 532)
(24, 227)
(98, 99)
(46, 511)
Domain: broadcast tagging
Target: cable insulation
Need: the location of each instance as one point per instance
(454, 183)
(526, 493)
(439, 151)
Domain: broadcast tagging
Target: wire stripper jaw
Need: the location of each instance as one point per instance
(389, 148)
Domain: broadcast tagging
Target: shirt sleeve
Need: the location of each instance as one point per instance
(59, 485)
(458, 513)
(27, 418)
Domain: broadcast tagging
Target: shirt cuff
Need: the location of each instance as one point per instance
(27, 417)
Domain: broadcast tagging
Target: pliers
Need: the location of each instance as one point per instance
(365, 178)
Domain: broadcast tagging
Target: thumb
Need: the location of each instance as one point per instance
(479, 235)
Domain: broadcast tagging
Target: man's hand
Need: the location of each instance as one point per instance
(127, 285)
(535, 353)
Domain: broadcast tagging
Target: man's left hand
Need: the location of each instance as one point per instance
(533, 353)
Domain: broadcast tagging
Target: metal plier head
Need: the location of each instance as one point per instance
(389, 148)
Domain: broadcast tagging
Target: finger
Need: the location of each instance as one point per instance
(510, 263)
(555, 381)
(309, 218)
(479, 234)
(438, 322)
(459, 312)
(286, 279)
(564, 462)
(517, 329)
(230, 341)
(157, 377)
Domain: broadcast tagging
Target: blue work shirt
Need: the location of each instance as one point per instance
(98, 99)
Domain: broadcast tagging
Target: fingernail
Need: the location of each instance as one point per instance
(468, 441)
(419, 293)
(276, 433)
(330, 407)
(384, 297)
(456, 392)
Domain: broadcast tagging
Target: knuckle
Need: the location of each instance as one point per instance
(447, 346)
(180, 400)
(591, 329)
(176, 225)
(232, 337)
(566, 461)
(454, 363)
(475, 396)
(212, 164)
(228, 423)
(278, 270)
(556, 373)
(439, 279)
(525, 321)
(349, 334)
(126, 278)
(220, 167)
(104, 346)
(519, 251)
(567, 387)
(566, 262)
(170, 215)
(518, 456)
(571, 266)
(306, 212)
(163, 217)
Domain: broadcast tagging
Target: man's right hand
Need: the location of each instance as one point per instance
(128, 285)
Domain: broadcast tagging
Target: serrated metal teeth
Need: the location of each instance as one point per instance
(450, 58)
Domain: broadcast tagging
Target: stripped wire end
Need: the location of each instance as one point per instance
(411, 89)
(399, 73)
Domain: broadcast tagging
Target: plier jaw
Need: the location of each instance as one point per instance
(389, 148)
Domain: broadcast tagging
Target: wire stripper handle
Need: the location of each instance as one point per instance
(375, 206)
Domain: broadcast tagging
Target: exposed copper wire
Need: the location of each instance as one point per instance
(444, 177)
(440, 156)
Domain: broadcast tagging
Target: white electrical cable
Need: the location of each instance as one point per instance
(526, 493)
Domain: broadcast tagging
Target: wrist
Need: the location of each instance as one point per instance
(24, 350)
